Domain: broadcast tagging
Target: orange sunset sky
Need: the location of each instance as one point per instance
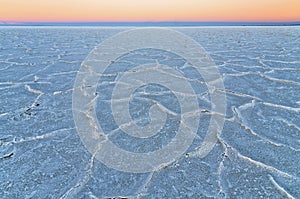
(148, 10)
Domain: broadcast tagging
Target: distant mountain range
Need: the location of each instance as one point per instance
(141, 24)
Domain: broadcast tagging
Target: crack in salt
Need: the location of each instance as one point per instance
(281, 190)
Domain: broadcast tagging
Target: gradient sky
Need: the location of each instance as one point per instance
(148, 10)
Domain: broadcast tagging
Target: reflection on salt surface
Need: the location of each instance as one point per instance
(257, 155)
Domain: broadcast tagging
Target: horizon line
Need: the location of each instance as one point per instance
(146, 23)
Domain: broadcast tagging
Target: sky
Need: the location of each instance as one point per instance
(149, 10)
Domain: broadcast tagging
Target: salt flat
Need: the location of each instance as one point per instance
(256, 154)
